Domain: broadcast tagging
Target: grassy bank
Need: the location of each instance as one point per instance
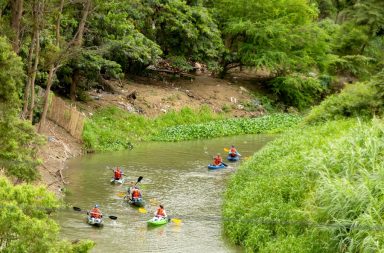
(114, 129)
(316, 189)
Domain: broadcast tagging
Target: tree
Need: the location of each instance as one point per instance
(25, 225)
(18, 141)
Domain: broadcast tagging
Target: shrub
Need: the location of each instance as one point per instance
(298, 91)
(363, 99)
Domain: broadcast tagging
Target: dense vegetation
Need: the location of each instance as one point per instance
(112, 128)
(25, 225)
(313, 190)
(305, 47)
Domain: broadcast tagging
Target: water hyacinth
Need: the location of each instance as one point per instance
(268, 124)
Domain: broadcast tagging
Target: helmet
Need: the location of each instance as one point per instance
(97, 206)
(232, 146)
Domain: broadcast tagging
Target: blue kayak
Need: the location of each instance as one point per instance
(215, 167)
(136, 202)
(233, 158)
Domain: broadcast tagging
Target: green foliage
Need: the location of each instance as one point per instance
(277, 35)
(115, 129)
(25, 225)
(181, 30)
(314, 189)
(297, 90)
(364, 99)
(18, 141)
(274, 123)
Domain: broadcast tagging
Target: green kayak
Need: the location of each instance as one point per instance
(156, 221)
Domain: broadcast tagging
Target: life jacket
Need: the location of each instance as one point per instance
(217, 160)
(117, 174)
(136, 193)
(160, 212)
(95, 213)
(233, 152)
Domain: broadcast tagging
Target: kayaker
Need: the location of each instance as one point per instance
(217, 160)
(160, 212)
(95, 212)
(233, 152)
(136, 194)
(118, 173)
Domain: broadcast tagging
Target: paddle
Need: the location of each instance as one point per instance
(78, 209)
(175, 220)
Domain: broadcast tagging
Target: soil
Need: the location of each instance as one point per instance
(60, 147)
(153, 97)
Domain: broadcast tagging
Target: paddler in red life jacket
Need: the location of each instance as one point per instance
(160, 212)
(136, 194)
(118, 174)
(217, 160)
(95, 212)
(233, 152)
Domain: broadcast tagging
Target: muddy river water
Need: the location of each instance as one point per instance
(174, 174)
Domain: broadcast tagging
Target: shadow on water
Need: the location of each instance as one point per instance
(175, 175)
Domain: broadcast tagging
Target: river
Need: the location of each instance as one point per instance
(176, 175)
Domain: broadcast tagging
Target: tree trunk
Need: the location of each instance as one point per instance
(16, 14)
(78, 41)
(80, 30)
(33, 77)
(51, 72)
(75, 80)
(29, 74)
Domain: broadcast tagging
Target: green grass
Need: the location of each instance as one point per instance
(314, 189)
(114, 129)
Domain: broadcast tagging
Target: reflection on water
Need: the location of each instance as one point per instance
(176, 175)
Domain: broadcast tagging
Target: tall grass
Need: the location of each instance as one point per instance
(317, 189)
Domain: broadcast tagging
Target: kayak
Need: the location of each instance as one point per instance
(94, 221)
(120, 181)
(233, 158)
(137, 202)
(215, 167)
(156, 221)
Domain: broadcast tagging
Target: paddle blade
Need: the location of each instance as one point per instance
(121, 194)
(176, 221)
(139, 179)
(112, 217)
(226, 165)
(77, 209)
(226, 149)
(142, 210)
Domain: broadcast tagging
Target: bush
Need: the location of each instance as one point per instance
(364, 99)
(298, 91)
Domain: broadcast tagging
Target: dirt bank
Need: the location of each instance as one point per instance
(60, 147)
(153, 97)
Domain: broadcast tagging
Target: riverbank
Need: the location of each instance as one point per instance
(60, 147)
